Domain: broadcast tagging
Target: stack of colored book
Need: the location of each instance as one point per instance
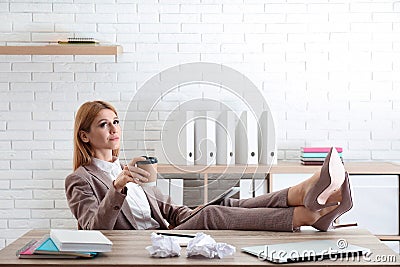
(316, 155)
(66, 244)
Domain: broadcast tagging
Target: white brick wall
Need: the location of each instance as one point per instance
(330, 72)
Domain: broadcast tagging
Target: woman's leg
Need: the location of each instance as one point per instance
(289, 197)
(256, 219)
(278, 199)
(234, 218)
(296, 193)
(303, 216)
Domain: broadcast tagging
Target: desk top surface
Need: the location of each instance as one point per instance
(129, 249)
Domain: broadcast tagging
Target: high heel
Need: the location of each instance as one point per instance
(331, 178)
(326, 222)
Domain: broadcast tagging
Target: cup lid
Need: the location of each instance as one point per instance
(149, 160)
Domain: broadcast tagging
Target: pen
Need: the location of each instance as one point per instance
(179, 235)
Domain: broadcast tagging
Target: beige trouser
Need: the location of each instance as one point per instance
(268, 212)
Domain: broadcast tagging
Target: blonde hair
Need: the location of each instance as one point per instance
(83, 120)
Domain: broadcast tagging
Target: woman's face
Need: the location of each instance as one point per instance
(104, 134)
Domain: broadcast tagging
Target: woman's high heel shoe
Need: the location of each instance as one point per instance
(326, 222)
(331, 179)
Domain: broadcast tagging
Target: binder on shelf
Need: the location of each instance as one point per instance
(176, 191)
(177, 139)
(260, 187)
(163, 186)
(225, 138)
(204, 138)
(266, 139)
(246, 188)
(246, 141)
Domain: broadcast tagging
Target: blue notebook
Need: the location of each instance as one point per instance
(47, 246)
(315, 155)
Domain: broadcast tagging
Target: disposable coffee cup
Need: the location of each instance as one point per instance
(149, 165)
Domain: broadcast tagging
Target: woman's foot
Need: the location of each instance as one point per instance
(320, 190)
(326, 221)
(298, 192)
(321, 219)
(305, 217)
(307, 185)
(331, 179)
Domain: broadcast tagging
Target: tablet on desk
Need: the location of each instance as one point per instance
(315, 250)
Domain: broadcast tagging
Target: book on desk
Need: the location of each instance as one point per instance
(45, 248)
(66, 244)
(80, 240)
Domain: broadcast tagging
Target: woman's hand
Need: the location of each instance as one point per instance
(132, 174)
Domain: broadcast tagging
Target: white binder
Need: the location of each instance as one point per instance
(172, 188)
(266, 140)
(204, 138)
(178, 138)
(260, 187)
(176, 191)
(246, 139)
(163, 186)
(246, 188)
(225, 137)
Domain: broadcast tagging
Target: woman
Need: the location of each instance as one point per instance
(103, 194)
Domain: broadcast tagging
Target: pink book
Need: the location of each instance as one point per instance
(319, 149)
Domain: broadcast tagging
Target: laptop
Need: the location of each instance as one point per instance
(315, 250)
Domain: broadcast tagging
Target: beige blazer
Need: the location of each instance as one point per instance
(97, 205)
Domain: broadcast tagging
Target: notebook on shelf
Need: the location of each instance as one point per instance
(77, 40)
(319, 149)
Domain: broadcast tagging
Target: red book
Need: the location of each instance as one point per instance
(319, 149)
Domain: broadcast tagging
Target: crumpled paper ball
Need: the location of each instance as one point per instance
(163, 246)
(206, 246)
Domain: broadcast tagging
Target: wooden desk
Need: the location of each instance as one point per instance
(129, 249)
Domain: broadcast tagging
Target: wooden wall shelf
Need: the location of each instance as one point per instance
(64, 49)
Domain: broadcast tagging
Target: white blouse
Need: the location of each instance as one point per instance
(136, 197)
